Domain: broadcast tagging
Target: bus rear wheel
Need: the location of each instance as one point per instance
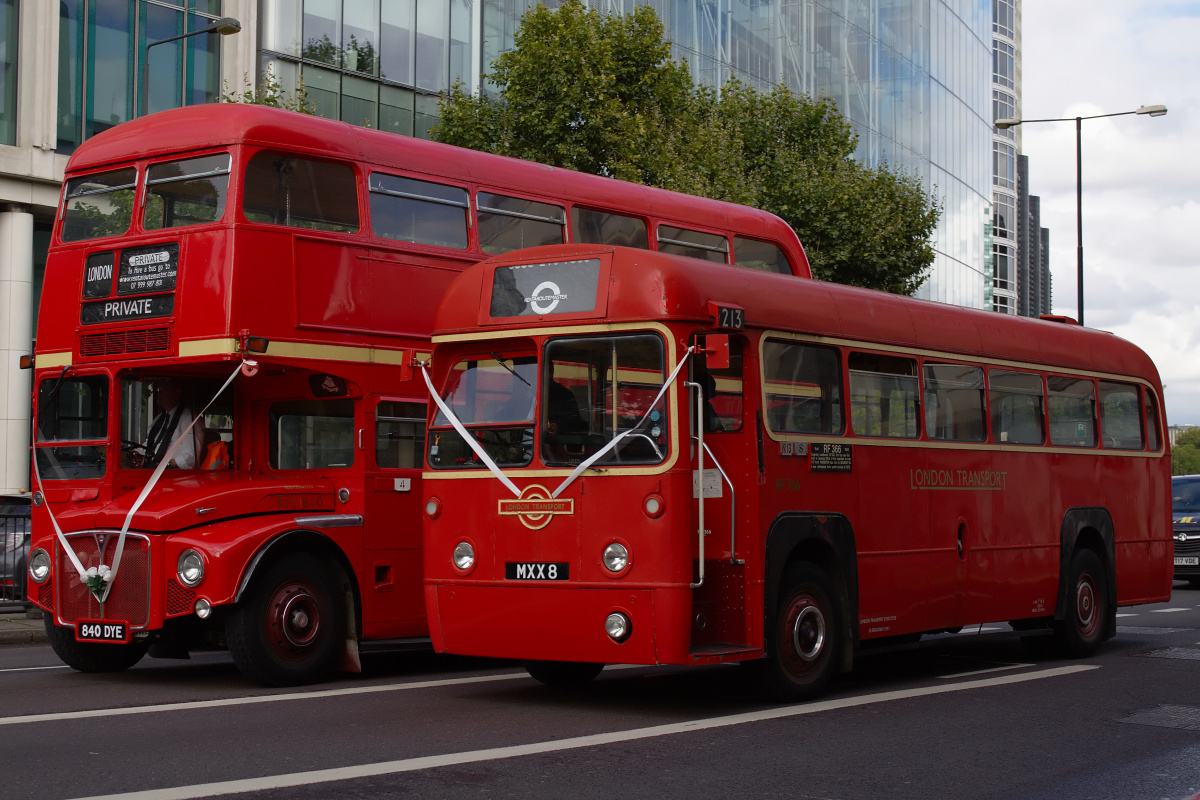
(563, 674)
(290, 626)
(806, 637)
(93, 657)
(1081, 631)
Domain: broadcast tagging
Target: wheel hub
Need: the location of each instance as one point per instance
(1086, 613)
(808, 634)
(295, 617)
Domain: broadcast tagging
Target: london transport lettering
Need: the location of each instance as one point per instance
(987, 480)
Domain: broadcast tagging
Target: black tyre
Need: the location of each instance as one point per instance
(1081, 631)
(91, 657)
(805, 640)
(563, 674)
(290, 627)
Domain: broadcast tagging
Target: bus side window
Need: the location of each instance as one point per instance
(1120, 417)
(954, 408)
(762, 256)
(883, 396)
(723, 395)
(420, 212)
(601, 227)
(1018, 407)
(510, 223)
(695, 244)
(802, 387)
(399, 434)
(1072, 411)
(312, 434)
(283, 189)
(1152, 423)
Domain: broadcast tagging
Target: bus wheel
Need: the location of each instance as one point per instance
(804, 645)
(563, 674)
(91, 657)
(1081, 632)
(289, 628)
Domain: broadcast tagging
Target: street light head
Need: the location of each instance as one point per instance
(1154, 111)
(227, 25)
(1005, 124)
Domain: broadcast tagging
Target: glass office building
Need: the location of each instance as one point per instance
(912, 76)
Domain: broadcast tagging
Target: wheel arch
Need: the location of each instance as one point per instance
(309, 541)
(827, 542)
(1089, 528)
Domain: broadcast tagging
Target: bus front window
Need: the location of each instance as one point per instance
(156, 412)
(493, 397)
(597, 388)
(72, 409)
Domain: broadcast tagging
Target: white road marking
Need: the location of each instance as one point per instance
(1167, 610)
(32, 669)
(1125, 615)
(575, 743)
(983, 671)
(240, 701)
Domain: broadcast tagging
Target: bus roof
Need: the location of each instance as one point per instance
(644, 285)
(222, 124)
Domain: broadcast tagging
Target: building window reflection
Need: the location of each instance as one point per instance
(8, 72)
(1002, 18)
(1003, 64)
(1004, 159)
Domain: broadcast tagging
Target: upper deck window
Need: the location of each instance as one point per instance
(283, 189)
(187, 192)
(510, 223)
(763, 256)
(420, 212)
(602, 227)
(99, 205)
(695, 244)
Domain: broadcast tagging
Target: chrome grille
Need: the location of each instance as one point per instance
(129, 599)
(1188, 548)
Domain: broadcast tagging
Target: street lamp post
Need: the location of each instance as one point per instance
(224, 26)
(1004, 124)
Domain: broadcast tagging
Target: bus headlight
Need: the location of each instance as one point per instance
(190, 568)
(653, 506)
(39, 566)
(616, 557)
(464, 556)
(618, 627)
(433, 507)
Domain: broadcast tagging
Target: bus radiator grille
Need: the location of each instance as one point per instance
(46, 594)
(129, 599)
(111, 343)
(179, 599)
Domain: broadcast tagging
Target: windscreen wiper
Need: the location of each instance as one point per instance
(500, 361)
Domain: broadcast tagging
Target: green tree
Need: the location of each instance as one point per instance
(601, 94)
(271, 93)
(1185, 454)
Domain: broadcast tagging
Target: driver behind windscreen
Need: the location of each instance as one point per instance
(169, 424)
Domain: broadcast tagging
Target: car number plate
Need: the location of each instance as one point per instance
(536, 570)
(102, 630)
(1187, 561)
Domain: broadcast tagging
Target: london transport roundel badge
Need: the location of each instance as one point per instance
(535, 507)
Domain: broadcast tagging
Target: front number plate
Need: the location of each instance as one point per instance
(102, 630)
(1187, 561)
(536, 570)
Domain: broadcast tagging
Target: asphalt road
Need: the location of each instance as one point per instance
(965, 716)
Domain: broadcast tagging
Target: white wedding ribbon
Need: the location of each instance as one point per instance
(468, 438)
(495, 470)
(149, 487)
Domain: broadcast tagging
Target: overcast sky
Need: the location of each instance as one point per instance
(1141, 175)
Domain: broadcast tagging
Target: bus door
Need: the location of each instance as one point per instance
(716, 403)
(394, 598)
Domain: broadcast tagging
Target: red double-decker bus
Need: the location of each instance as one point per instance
(670, 463)
(229, 432)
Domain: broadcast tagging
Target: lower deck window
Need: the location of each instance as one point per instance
(883, 396)
(803, 388)
(1072, 411)
(312, 434)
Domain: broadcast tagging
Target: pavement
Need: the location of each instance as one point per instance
(19, 625)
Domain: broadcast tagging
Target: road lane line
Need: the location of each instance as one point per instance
(31, 669)
(1167, 610)
(594, 740)
(982, 671)
(240, 701)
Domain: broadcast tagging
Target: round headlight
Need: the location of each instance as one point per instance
(203, 608)
(39, 566)
(433, 507)
(653, 505)
(190, 568)
(616, 557)
(464, 556)
(618, 627)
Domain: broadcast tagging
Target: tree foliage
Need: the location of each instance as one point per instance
(600, 94)
(271, 93)
(1185, 454)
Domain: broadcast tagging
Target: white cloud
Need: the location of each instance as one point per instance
(1141, 205)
